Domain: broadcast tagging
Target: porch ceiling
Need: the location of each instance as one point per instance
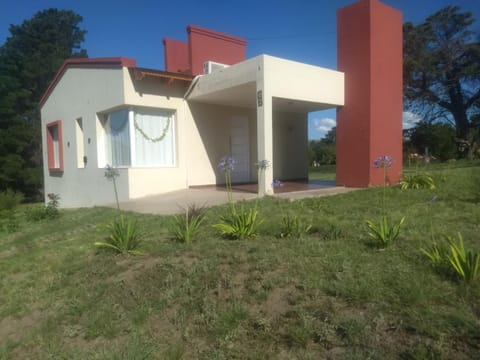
(241, 95)
(294, 87)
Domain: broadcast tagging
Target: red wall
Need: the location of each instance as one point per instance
(208, 45)
(370, 123)
(177, 58)
(203, 45)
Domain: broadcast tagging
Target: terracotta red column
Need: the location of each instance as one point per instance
(370, 123)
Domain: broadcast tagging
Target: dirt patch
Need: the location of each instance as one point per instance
(186, 260)
(17, 277)
(134, 267)
(278, 302)
(14, 329)
(7, 253)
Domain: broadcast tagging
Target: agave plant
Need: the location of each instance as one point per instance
(384, 232)
(464, 262)
(124, 236)
(239, 224)
(420, 180)
(185, 227)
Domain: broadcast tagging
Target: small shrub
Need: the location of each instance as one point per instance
(436, 254)
(454, 258)
(241, 224)
(465, 263)
(9, 199)
(8, 221)
(124, 236)
(384, 233)
(185, 227)
(292, 226)
(35, 213)
(420, 180)
(51, 210)
(41, 212)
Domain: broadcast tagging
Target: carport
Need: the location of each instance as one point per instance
(274, 87)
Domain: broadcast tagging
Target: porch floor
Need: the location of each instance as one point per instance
(210, 195)
(286, 187)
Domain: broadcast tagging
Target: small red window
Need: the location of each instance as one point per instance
(55, 146)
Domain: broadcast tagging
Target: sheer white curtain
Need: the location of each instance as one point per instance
(154, 138)
(118, 139)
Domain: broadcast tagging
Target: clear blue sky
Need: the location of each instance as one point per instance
(302, 30)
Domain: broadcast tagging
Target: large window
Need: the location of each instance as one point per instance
(139, 137)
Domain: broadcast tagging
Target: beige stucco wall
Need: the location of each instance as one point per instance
(87, 92)
(160, 94)
(209, 141)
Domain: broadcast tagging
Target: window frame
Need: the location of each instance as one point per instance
(54, 154)
(104, 119)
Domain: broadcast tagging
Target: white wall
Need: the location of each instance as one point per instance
(290, 154)
(82, 93)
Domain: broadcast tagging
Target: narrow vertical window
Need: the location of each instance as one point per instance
(54, 146)
(80, 143)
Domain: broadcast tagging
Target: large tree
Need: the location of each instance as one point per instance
(442, 69)
(29, 60)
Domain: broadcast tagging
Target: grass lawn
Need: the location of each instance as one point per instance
(327, 295)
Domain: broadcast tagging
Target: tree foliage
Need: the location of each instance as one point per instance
(29, 59)
(323, 152)
(442, 68)
(436, 140)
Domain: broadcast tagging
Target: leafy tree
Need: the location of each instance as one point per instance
(29, 60)
(437, 138)
(442, 69)
(323, 151)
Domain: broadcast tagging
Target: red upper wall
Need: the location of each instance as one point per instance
(203, 45)
(370, 123)
(177, 58)
(207, 45)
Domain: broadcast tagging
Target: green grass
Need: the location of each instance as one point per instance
(330, 294)
(323, 172)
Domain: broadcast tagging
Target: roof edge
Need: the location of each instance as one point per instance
(96, 63)
(216, 34)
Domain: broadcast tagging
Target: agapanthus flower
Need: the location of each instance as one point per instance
(227, 163)
(383, 162)
(111, 173)
(263, 164)
(277, 183)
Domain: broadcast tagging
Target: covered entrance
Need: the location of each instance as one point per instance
(281, 93)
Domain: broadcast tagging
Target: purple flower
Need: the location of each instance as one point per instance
(227, 163)
(383, 162)
(277, 183)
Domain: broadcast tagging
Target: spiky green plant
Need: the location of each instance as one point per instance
(124, 236)
(292, 226)
(239, 224)
(185, 227)
(384, 232)
(465, 262)
(420, 180)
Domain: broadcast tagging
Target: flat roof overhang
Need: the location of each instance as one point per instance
(293, 86)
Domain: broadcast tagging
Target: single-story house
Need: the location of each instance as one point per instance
(166, 130)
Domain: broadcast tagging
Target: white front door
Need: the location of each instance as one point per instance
(240, 148)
